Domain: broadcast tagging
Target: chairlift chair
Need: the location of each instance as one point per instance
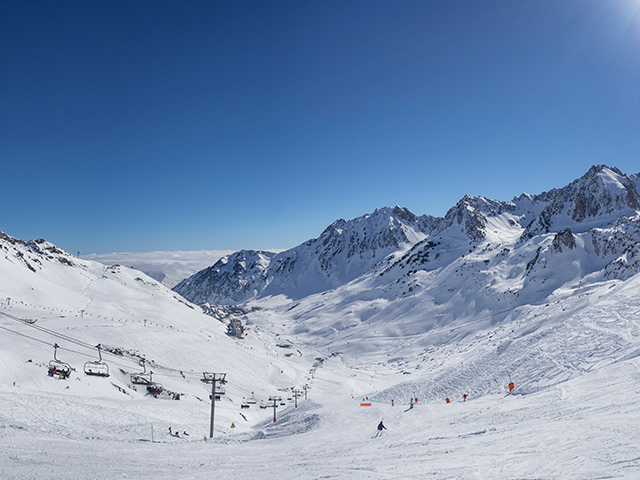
(252, 399)
(155, 389)
(99, 368)
(142, 378)
(219, 392)
(57, 368)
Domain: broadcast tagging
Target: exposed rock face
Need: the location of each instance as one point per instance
(564, 238)
(33, 253)
(470, 215)
(602, 193)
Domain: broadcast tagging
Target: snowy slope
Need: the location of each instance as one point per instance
(48, 297)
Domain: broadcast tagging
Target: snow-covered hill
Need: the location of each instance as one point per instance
(49, 297)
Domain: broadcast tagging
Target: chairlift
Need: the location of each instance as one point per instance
(99, 368)
(57, 368)
(218, 393)
(142, 378)
(252, 399)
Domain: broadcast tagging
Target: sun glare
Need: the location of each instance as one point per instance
(631, 10)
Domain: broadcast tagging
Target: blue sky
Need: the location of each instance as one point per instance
(154, 125)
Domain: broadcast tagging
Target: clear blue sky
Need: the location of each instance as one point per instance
(188, 125)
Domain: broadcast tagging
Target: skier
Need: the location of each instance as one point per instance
(381, 427)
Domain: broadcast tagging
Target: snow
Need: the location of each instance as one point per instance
(575, 363)
(583, 428)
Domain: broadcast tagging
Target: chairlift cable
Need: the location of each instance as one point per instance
(50, 345)
(85, 345)
(24, 335)
(49, 331)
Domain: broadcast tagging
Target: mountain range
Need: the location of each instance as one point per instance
(594, 219)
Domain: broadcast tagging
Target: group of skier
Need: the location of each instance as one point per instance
(177, 434)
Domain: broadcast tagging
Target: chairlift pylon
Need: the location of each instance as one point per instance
(142, 378)
(57, 368)
(99, 368)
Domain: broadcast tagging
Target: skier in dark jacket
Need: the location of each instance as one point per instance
(381, 427)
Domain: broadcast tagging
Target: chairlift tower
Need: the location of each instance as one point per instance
(276, 401)
(306, 388)
(214, 379)
(296, 393)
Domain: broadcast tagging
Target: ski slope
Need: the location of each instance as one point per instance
(583, 428)
(571, 415)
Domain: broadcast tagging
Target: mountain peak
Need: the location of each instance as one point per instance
(603, 192)
(470, 215)
(343, 251)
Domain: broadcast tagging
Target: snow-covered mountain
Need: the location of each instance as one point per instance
(343, 252)
(481, 268)
(477, 283)
(597, 213)
(600, 197)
